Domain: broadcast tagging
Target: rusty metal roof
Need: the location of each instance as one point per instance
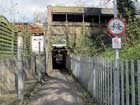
(33, 28)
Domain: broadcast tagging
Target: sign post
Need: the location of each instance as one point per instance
(116, 27)
(116, 77)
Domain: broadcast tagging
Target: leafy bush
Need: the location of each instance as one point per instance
(132, 52)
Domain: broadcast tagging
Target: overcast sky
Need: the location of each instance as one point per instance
(25, 10)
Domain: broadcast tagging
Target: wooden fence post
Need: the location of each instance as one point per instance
(1, 75)
(20, 67)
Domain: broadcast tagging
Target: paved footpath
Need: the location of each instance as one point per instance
(60, 89)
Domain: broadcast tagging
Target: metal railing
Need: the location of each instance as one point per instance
(97, 75)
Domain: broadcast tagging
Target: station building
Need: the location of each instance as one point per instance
(68, 25)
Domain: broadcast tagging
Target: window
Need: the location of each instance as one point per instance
(75, 17)
(59, 17)
(91, 18)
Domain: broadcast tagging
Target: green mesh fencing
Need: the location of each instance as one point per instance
(8, 38)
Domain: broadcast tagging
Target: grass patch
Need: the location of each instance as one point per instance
(87, 97)
(132, 52)
(9, 99)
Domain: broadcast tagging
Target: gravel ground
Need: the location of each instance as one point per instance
(60, 89)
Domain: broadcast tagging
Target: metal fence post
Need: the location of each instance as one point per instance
(103, 78)
(111, 84)
(94, 77)
(122, 83)
(108, 96)
(99, 81)
(132, 82)
(127, 82)
(138, 65)
(20, 67)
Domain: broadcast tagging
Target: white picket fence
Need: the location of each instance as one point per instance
(97, 75)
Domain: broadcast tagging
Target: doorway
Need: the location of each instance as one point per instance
(59, 57)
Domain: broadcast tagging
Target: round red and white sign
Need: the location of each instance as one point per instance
(116, 27)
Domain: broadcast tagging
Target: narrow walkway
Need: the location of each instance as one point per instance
(60, 89)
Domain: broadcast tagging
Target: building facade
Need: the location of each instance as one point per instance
(69, 25)
(38, 34)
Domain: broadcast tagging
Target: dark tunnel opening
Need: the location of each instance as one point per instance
(59, 58)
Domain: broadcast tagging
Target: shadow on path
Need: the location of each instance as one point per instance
(60, 89)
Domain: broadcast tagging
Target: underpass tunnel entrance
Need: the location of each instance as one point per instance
(59, 57)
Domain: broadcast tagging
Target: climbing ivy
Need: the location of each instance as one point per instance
(128, 11)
